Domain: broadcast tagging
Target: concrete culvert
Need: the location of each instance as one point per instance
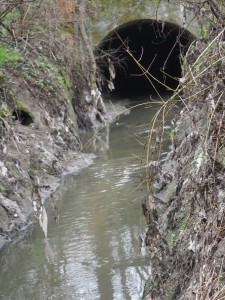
(156, 45)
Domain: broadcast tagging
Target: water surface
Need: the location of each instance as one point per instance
(95, 250)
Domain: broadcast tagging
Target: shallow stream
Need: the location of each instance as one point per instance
(95, 251)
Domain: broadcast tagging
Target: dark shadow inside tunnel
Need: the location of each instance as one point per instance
(142, 58)
(23, 117)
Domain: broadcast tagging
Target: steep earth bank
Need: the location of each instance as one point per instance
(47, 92)
(39, 139)
(186, 232)
(42, 110)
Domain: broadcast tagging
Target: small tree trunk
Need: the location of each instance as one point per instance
(85, 40)
(95, 93)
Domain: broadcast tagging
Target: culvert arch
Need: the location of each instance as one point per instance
(127, 52)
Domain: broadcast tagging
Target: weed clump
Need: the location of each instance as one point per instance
(9, 55)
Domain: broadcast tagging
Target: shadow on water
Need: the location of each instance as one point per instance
(95, 250)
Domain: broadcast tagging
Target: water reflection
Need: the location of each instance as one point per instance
(100, 140)
(94, 252)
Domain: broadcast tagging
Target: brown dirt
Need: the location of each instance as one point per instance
(34, 156)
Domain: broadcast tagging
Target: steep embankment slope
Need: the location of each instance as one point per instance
(44, 78)
(186, 235)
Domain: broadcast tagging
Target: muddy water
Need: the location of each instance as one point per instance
(95, 250)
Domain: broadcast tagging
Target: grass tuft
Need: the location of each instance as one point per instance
(8, 55)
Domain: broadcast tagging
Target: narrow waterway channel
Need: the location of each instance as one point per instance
(94, 252)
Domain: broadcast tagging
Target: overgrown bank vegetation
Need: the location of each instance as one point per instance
(186, 233)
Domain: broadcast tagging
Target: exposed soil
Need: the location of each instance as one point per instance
(39, 141)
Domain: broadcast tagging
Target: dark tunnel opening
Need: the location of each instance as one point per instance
(156, 45)
(23, 117)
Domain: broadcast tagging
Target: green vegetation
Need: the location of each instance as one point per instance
(173, 235)
(12, 16)
(2, 113)
(46, 75)
(23, 107)
(9, 55)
